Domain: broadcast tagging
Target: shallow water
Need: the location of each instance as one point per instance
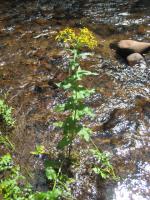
(31, 63)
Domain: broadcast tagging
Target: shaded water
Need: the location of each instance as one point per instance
(31, 63)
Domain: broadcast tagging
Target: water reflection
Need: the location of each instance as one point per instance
(129, 188)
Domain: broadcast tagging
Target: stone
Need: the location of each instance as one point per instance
(127, 47)
(134, 58)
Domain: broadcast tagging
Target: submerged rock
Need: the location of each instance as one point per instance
(127, 47)
(134, 58)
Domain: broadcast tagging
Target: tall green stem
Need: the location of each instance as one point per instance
(74, 110)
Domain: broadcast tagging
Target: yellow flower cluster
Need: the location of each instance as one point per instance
(67, 36)
(84, 38)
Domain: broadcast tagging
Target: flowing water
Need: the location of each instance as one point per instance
(31, 63)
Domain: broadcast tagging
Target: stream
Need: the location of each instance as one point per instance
(31, 63)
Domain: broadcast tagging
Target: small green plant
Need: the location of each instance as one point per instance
(57, 180)
(59, 184)
(103, 168)
(6, 113)
(5, 162)
(14, 185)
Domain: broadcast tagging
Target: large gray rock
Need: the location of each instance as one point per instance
(134, 58)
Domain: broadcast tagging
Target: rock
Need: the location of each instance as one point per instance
(137, 47)
(126, 47)
(134, 58)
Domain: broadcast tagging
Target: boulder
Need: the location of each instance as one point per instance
(134, 58)
(127, 47)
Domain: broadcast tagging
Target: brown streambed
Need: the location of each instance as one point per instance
(31, 63)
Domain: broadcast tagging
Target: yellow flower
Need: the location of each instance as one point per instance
(66, 36)
(84, 38)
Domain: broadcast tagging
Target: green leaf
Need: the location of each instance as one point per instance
(83, 110)
(58, 124)
(101, 172)
(58, 84)
(6, 162)
(68, 127)
(40, 196)
(39, 149)
(80, 73)
(96, 170)
(50, 173)
(50, 195)
(101, 157)
(82, 94)
(85, 133)
(60, 108)
(54, 194)
(64, 142)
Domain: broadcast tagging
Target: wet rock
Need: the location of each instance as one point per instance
(127, 47)
(115, 117)
(134, 58)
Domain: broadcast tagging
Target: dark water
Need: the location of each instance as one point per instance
(31, 63)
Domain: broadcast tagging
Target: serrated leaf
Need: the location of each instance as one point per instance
(82, 94)
(96, 170)
(58, 124)
(6, 162)
(50, 195)
(60, 108)
(101, 172)
(85, 133)
(50, 173)
(84, 111)
(54, 194)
